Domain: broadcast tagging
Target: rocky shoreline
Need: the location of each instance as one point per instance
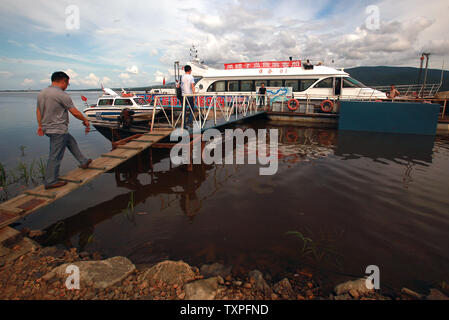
(31, 272)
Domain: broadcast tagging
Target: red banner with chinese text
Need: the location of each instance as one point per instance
(263, 65)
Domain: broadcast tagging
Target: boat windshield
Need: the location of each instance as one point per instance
(140, 101)
(352, 83)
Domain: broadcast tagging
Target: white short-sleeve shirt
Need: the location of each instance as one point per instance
(186, 83)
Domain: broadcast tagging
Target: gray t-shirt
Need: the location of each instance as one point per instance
(54, 104)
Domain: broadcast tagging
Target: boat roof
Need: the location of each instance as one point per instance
(284, 72)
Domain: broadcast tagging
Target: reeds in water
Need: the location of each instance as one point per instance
(24, 174)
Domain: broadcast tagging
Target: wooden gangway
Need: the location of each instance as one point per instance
(34, 199)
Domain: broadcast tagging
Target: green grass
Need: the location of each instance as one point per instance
(22, 149)
(129, 211)
(23, 174)
(319, 251)
(131, 202)
(41, 168)
(2, 176)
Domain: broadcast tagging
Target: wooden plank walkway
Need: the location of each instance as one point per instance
(32, 200)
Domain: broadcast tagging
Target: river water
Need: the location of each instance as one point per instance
(339, 202)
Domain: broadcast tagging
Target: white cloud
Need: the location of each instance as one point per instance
(27, 82)
(105, 80)
(15, 43)
(223, 31)
(72, 74)
(6, 74)
(91, 81)
(159, 77)
(133, 69)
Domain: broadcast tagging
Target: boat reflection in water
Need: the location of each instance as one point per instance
(173, 186)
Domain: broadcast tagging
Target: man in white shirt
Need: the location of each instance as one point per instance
(188, 87)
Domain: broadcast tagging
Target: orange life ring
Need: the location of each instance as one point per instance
(290, 106)
(127, 94)
(328, 103)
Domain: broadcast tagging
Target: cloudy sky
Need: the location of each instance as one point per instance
(134, 43)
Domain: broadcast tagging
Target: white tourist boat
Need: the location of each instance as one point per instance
(314, 87)
(296, 78)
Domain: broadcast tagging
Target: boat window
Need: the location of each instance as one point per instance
(275, 83)
(325, 84)
(306, 83)
(211, 87)
(196, 79)
(258, 83)
(233, 86)
(123, 102)
(140, 101)
(105, 102)
(220, 86)
(292, 84)
(352, 83)
(247, 85)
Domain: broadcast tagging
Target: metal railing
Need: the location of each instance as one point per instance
(223, 107)
(226, 107)
(418, 90)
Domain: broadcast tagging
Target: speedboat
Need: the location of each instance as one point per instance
(110, 106)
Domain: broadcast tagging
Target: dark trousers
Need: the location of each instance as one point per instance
(190, 103)
(58, 144)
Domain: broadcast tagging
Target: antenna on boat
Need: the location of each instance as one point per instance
(423, 56)
(194, 54)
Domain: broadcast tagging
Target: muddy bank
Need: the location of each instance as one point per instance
(29, 271)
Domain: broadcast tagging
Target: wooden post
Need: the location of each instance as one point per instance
(183, 111)
(190, 165)
(444, 109)
(215, 110)
(139, 162)
(154, 113)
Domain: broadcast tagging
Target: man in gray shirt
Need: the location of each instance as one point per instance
(52, 112)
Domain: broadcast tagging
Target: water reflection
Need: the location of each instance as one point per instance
(393, 147)
(350, 199)
(173, 187)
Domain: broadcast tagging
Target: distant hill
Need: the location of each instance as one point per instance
(385, 76)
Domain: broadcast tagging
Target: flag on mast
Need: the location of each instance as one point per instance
(163, 82)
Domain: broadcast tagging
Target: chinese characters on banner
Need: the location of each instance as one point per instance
(263, 65)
